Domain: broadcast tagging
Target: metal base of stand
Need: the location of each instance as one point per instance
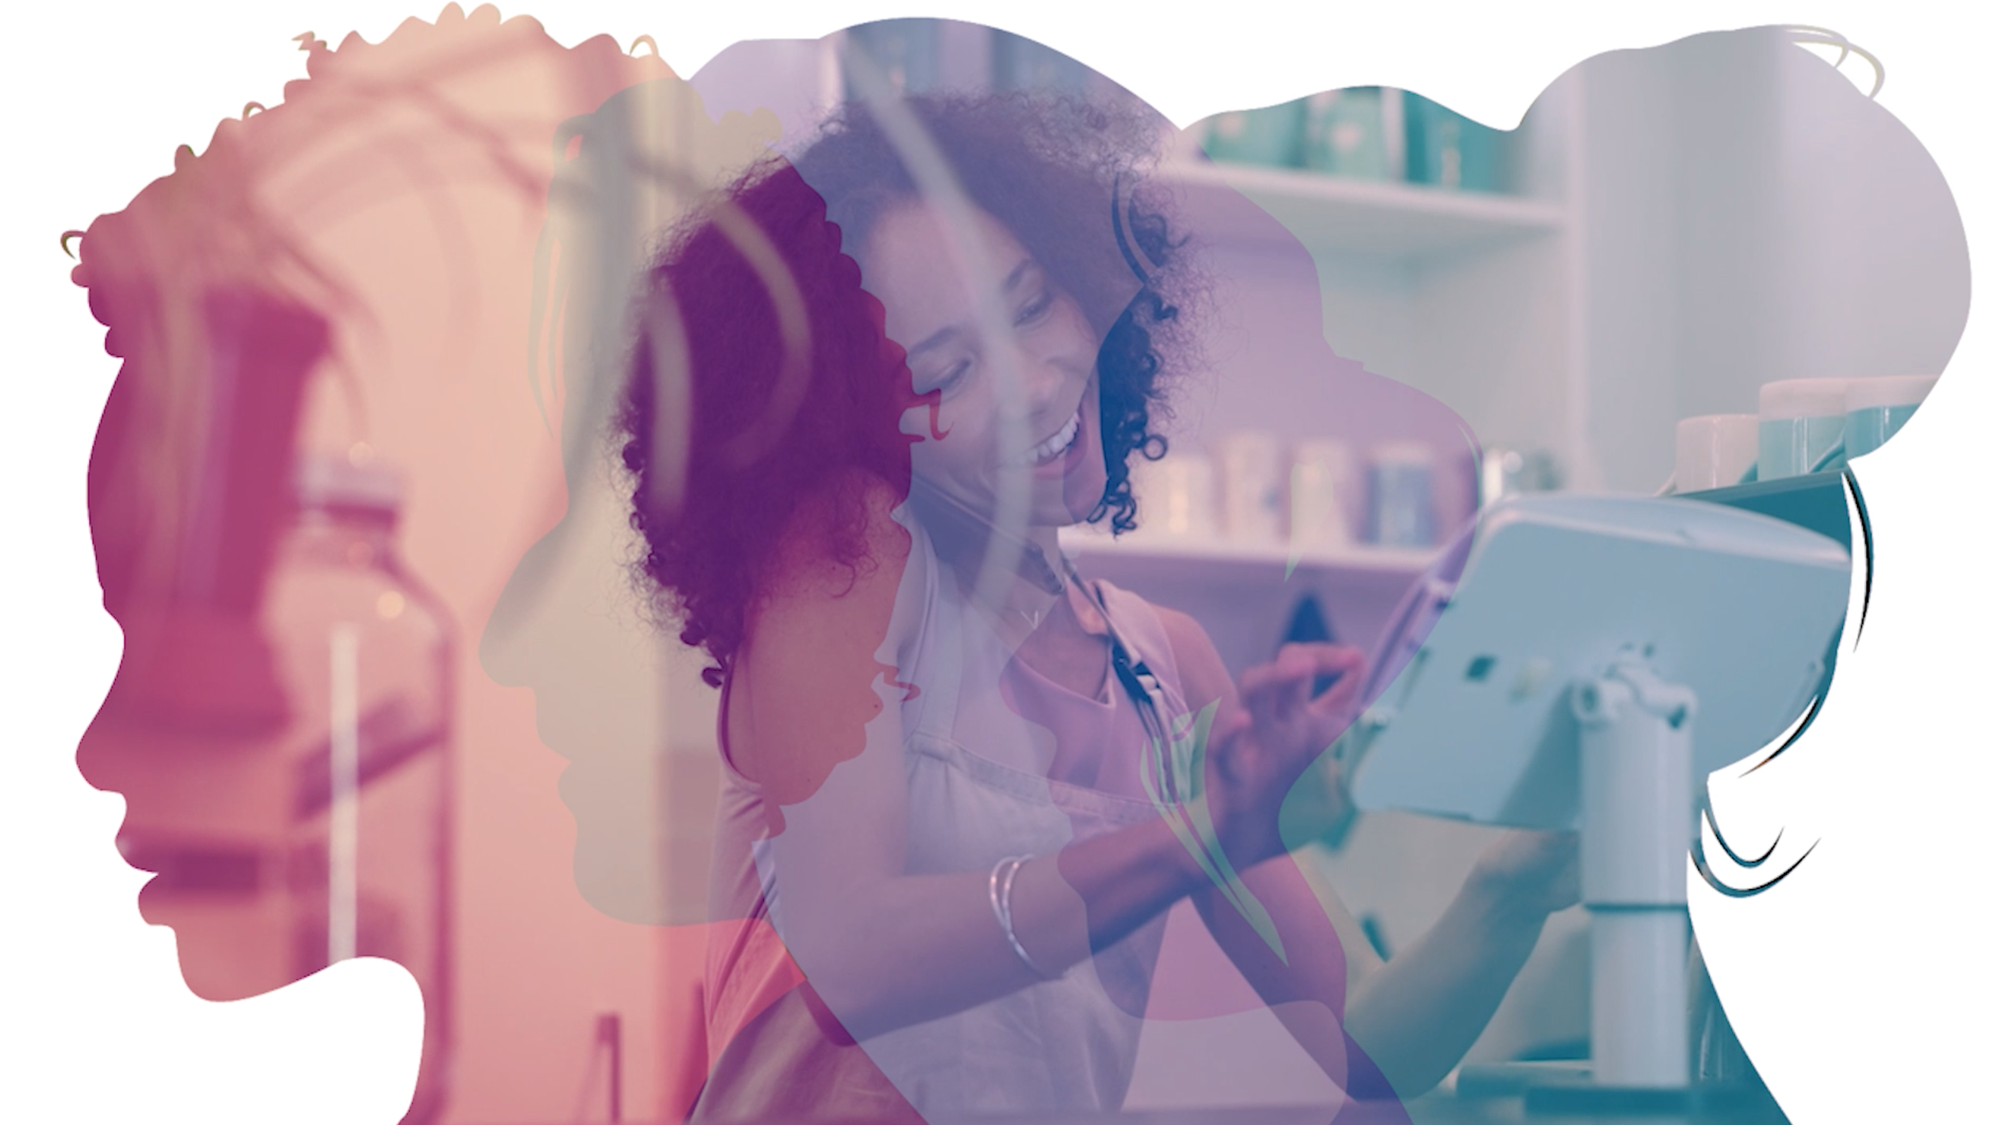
(1585, 1098)
(1564, 1089)
(1515, 1079)
(1696, 1102)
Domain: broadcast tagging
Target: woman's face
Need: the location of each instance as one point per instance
(1016, 396)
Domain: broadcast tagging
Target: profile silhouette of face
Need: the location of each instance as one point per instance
(1807, 852)
(615, 694)
(346, 273)
(611, 694)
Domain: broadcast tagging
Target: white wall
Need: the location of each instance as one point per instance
(1878, 278)
(1751, 216)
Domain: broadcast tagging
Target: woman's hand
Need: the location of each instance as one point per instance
(1281, 730)
(1533, 874)
(1417, 1015)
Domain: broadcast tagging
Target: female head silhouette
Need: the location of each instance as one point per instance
(343, 273)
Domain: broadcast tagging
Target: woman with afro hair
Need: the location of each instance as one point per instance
(962, 786)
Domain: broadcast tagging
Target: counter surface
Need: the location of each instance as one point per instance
(1436, 1110)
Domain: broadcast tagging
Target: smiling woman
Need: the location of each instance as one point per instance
(1049, 349)
(309, 773)
(1042, 178)
(959, 797)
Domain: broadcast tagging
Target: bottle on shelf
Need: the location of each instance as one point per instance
(1355, 132)
(1271, 135)
(366, 654)
(325, 834)
(1448, 150)
(1402, 509)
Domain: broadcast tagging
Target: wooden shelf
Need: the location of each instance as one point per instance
(1242, 594)
(1371, 217)
(1218, 555)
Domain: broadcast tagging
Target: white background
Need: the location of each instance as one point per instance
(1862, 987)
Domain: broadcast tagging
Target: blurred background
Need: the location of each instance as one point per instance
(500, 770)
(1664, 234)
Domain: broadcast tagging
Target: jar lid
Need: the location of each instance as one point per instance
(330, 481)
(1747, 422)
(1322, 449)
(1889, 390)
(1402, 453)
(1802, 398)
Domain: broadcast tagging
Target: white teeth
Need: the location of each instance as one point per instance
(1058, 443)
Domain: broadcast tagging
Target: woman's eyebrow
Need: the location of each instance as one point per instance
(944, 335)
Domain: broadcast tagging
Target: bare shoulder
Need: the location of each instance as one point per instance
(1203, 675)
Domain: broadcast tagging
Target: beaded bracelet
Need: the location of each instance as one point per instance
(1000, 892)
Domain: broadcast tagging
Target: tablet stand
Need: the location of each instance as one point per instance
(1558, 689)
(1634, 758)
(1633, 743)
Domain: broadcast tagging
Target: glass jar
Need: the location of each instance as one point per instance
(321, 830)
(364, 652)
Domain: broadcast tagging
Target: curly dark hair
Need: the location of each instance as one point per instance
(1064, 175)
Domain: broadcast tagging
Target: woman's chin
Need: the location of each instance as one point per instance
(1081, 498)
(1059, 517)
(1067, 508)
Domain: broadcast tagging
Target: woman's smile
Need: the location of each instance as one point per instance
(1042, 456)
